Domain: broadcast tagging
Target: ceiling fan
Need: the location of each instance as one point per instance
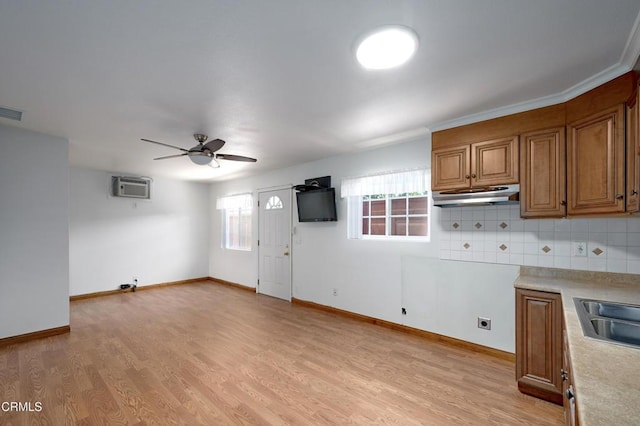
(203, 153)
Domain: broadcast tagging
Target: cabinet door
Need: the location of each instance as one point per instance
(539, 344)
(542, 169)
(595, 163)
(494, 162)
(450, 168)
(633, 157)
(568, 388)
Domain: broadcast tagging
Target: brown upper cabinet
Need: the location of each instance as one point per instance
(542, 173)
(633, 155)
(595, 163)
(487, 163)
(486, 153)
(450, 168)
(601, 136)
(578, 158)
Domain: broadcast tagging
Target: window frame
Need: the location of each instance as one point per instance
(388, 216)
(226, 228)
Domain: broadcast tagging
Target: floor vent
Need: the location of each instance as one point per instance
(11, 114)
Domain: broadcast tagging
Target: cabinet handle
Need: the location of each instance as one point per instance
(473, 175)
(634, 192)
(619, 196)
(563, 203)
(563, 374)
(467, 177)
(570, 394)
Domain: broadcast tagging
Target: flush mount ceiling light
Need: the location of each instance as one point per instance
(387, 47)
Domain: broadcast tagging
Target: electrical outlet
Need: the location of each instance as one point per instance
(580, 249)
(335, 291)
(484, 323)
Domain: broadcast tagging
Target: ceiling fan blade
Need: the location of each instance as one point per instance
(170, 156)
(214, 145)
(236, 158)
(165, 144)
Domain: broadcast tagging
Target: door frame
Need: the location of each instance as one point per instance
(270, 189)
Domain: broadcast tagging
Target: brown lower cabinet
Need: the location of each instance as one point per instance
(568, 390)
(539, 344)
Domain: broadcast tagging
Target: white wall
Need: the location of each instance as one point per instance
(34, 232)
(114, 239)
(377, 278)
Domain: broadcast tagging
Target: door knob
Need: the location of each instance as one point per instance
(286, 253)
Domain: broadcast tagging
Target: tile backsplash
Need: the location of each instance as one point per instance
(497, 234)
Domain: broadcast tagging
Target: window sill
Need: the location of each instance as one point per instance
(387, 238)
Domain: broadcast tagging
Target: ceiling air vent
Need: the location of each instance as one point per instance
(11, 114)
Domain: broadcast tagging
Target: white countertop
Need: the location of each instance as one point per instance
(606, 376)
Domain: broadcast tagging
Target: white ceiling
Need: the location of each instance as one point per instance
(277, 79)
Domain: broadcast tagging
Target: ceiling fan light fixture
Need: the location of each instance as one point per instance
(199, 158)
(387, 47)
(204, 153)
(214, 164)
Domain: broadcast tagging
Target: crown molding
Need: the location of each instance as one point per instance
(628, 59)
(631, 50)
(574, 91)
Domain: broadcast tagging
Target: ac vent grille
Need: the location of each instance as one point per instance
(11, 114)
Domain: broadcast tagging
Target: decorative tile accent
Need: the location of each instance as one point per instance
(499, 235)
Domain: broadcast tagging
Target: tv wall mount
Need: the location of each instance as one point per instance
(314, 183)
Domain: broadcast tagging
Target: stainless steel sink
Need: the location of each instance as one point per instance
(621, 331)
(610, 321)
(612, 310)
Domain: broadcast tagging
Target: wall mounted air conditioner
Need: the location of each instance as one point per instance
(130, 186)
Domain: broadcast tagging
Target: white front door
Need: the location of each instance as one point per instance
(274, 243)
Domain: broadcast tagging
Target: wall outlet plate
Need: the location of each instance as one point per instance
(579, 249)
(484, 323)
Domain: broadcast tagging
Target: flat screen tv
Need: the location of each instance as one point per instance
(318, 205)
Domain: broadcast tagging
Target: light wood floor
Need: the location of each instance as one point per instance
(210, 354)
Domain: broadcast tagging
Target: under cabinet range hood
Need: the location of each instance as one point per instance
(485, 196)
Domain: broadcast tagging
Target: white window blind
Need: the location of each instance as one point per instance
(236, 221)
(240, 201)
(386, 183)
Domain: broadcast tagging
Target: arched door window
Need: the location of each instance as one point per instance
(274, 202)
